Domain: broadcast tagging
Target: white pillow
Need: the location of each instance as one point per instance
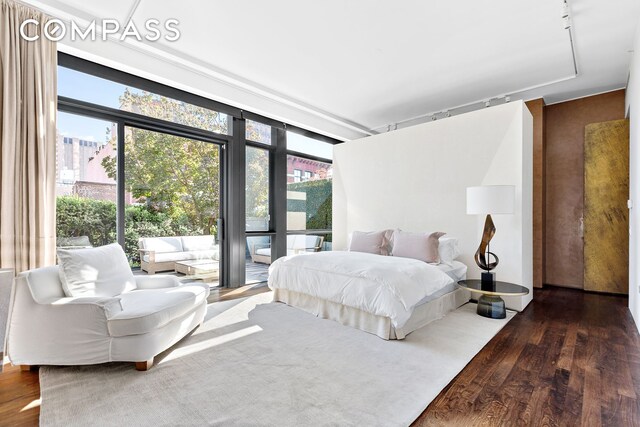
(448, 249)
(95, 272)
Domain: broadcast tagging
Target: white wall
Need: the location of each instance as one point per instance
(415, 179)
(633, 110)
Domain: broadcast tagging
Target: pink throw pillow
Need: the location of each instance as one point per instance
(420, 246)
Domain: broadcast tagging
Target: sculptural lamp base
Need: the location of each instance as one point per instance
(488, 278)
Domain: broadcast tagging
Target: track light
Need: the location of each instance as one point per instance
(447, 114)
(434, 118)
(566, 22)
(487, 103)
(507, 99)
(565, 9)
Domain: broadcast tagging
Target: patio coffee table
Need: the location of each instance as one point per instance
(206, 269)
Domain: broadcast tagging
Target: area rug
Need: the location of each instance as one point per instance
(259, 363)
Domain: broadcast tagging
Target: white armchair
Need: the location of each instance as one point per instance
(46, 327)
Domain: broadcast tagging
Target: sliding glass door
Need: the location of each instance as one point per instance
(172, 202)
(144, 165)
(86, 193)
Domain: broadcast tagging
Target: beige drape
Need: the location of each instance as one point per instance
(28, 103)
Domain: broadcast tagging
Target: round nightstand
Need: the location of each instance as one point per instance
(490, 304)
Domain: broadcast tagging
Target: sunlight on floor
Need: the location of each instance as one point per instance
(186, 350)
(32, 405)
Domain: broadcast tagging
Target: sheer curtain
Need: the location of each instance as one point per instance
(28, 103)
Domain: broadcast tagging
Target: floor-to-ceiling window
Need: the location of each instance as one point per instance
(139, 162)
(309, 190)
(86, 193)
(161, 199)
(258, 201)
(172, 189)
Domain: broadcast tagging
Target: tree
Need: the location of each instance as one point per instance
(257, 183)
(169, 173)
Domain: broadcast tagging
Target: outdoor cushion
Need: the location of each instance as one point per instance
(267, 252)
(304, 242)
(181, 256)
(73, 242)
(208, 254)
(198, 243)
(149, 309)
(264, 251)
(162, 244)
(168, 256)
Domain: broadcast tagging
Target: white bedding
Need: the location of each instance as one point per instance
(457, 271)
(381, 285)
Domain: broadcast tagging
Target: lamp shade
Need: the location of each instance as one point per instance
(491, 199)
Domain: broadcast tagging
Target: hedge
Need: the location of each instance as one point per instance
(319, 201)
(77, 216)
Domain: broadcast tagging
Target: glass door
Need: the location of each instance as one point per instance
(172, 205)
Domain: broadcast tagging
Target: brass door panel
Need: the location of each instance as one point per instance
(606, 216)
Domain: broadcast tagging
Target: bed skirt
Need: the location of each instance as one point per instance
(378, 325)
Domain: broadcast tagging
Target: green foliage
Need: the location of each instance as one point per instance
(257, 183)
(78, 216)
(86, 217)
(319, 202)
(171, 174)
(142, 221)
(171, 110)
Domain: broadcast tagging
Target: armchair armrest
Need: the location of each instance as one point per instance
(110, 306)
(152, 254)
(49, 331)
(156, 281)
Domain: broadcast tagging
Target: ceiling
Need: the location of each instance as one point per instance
(349, 68)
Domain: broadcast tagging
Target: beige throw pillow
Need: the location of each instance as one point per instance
(420, 246)
(371, 242)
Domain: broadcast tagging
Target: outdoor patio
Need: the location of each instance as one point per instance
(255, 273)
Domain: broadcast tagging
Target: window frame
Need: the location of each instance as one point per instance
(233, 162)
(323, 232)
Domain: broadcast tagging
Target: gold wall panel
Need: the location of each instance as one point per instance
(606, 216)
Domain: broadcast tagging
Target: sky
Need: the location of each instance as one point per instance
(84, 87)
(74, 84)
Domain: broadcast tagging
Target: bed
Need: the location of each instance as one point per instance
(384, 295)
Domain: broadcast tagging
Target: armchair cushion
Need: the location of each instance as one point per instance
(146, 310)
(103, 271)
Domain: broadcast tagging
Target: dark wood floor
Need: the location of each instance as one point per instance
(570, 359)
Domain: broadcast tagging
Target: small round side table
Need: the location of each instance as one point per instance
(490, 304)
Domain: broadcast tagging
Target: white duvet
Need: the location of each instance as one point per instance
(381, 285)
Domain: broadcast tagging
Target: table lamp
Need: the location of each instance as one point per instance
(489, 199)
